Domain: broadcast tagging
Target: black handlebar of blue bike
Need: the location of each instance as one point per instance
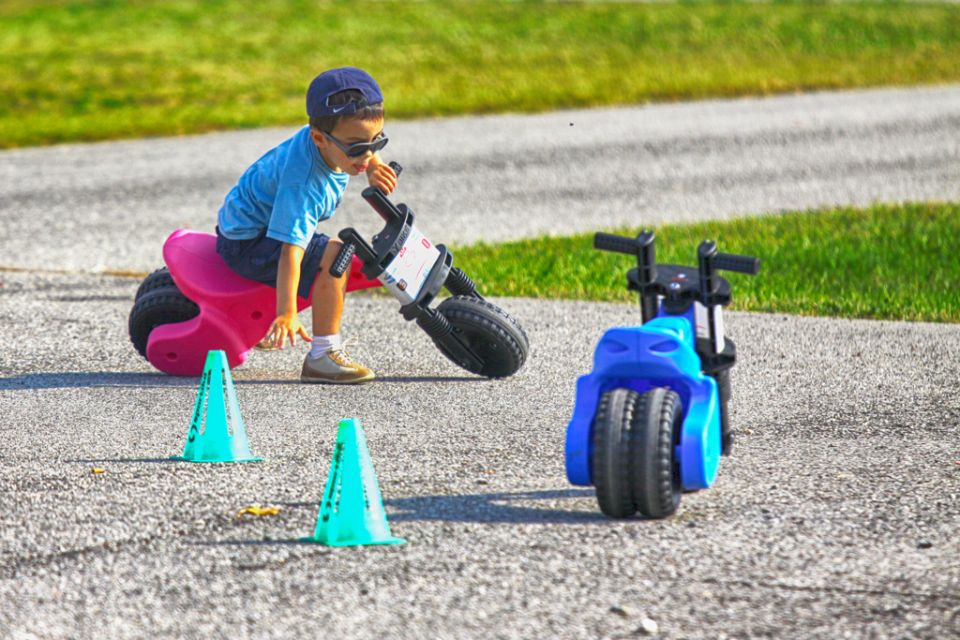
(724, 261)
(617, 244)
(386, 209)
(734, 262)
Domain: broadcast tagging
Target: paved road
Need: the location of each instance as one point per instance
(836, 517)
(109, 206)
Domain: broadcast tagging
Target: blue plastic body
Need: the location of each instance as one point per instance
(660, 353)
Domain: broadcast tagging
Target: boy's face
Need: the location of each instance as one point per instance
(348, 131)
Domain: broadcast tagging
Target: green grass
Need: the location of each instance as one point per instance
(85, 70)
(885, 262)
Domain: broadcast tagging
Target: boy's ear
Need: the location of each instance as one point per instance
(318, 138)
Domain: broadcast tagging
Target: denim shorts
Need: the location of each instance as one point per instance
(259, 258)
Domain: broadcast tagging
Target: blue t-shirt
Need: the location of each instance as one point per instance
(287, 192)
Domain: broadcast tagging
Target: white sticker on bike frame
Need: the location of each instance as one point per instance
(407, 273)
(700, 316)
(719, 342)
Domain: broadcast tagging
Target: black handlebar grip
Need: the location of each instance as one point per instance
(733, 262)
(378, 199)
(387, 210)
(342, 261)
(618, 244)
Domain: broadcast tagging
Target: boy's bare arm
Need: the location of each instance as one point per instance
(287, 324)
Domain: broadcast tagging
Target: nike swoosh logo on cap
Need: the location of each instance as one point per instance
(340, 109)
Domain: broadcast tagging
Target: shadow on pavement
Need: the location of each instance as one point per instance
(487, 507)
(126, 379)
(89, 379)
(296, 381)
(431, 379)
(494, 507)
(103, 460)
(256, 543)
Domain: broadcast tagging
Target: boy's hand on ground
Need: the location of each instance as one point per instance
(286, 326)
(383, 177)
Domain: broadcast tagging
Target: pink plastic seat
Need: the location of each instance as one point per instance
(235, 313)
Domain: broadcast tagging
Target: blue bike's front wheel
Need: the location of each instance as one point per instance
(610, 462)
(633, 463)
(655, 470)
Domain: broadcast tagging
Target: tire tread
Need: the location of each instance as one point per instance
(495, 323)
(154, 308)
(611, 452)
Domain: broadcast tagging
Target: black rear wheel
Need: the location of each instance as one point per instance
(154, 308)
(159, 279)
(491, 333)
(723, 391)
(654, 469)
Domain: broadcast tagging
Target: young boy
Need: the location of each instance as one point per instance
(266, 226)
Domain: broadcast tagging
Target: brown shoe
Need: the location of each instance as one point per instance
(334, 367)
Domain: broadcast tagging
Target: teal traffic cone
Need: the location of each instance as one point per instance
(210, 438)
(351, 511)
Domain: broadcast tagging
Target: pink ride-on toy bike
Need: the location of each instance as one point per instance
(196, 304)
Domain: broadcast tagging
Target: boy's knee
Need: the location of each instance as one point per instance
(329, 255)
(331, 250)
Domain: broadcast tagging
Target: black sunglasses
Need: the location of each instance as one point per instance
(360, 148)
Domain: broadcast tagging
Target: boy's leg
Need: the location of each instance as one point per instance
(328, 293)
(333, 366)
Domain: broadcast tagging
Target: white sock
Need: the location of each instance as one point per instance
(323, 344)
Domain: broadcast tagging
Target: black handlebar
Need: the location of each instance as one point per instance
(617, 244)
(378, 200)
(711, 260)
(342, 262)
(633, 246)
(740, 264)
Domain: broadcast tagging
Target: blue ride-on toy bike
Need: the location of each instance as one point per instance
(650, 421)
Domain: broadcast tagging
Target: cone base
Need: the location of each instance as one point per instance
(364, 543)
(219, 460)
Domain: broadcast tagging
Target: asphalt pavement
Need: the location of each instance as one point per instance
(835, 517)
(109, 206)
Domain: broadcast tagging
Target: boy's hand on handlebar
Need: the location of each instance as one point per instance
(286, 326)
(383, 177)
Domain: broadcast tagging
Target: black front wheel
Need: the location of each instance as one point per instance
(655, 470)
(497, 339)
(633, 464)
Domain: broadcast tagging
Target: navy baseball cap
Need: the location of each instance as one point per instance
(334, 81)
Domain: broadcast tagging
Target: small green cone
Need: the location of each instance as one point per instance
(209, 438)
(351, 511)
